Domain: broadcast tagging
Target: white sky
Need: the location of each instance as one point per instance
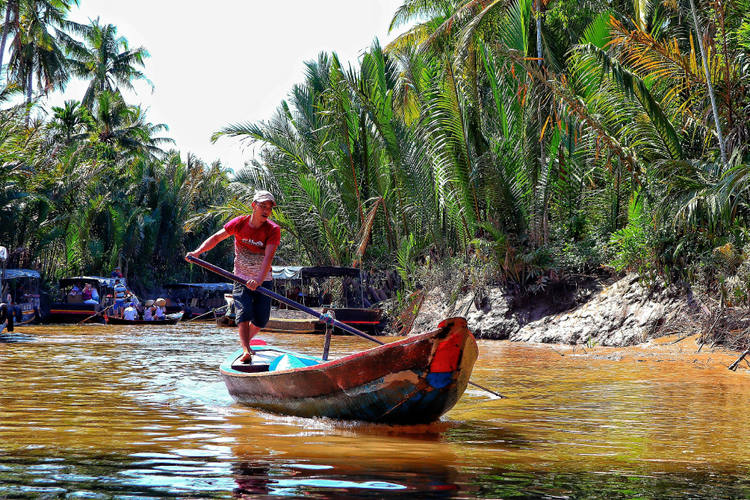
(222, 62)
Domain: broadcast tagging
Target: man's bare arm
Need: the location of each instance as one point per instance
(210, 242)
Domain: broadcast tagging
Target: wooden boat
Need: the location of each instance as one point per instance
(410, 381)
(72, 309)
(366, 319)
(23, 286)
(200, 299)
(171, 319)
(278, 323)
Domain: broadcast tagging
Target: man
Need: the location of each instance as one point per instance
(130, 313)
(256, 238)
(120, 291)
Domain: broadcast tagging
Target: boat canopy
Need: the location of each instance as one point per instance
(211, 287)
(299, 272)
(94, 280)
(12, 274)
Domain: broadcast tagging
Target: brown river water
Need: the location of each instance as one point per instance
(101, 411)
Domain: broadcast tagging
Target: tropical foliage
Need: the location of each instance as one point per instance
(551, 137)
(546, 137)
(94, 185)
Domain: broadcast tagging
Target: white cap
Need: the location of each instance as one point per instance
(261, 196)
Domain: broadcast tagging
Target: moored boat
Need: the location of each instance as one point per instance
(171, 319)
(410, 381)
(73, 308)
(202, 301)
(22, 285)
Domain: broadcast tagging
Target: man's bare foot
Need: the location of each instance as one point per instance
(247, 357)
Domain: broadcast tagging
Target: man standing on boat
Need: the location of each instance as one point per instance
(256, 238)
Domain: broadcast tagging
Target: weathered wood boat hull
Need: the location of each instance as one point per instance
(121, 321)
(282, 325)
(368, 321)
(72, 313)
(410, 381)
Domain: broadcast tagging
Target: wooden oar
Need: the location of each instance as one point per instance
(95, 314)
(323, 317)
(206, 313)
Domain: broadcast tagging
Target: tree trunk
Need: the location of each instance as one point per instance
(539, 32)
(708, 83)
(29, 86)
(6, 29)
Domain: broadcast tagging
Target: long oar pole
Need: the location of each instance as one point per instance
(205, 313)
(290, 302)
(265, 291)
(95, 314)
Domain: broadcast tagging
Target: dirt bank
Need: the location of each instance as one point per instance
(601, 310)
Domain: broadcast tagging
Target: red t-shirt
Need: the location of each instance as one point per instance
(250, 245)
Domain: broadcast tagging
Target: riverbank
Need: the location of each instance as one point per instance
(605, 310)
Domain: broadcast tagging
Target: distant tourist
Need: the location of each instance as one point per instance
(117, 273)
(130, 313)
(87, 294)
(120, 292)
(148, 312)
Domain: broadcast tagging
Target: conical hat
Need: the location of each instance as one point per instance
(149, 303)
(160, 302)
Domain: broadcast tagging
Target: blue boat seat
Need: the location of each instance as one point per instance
(290, 362)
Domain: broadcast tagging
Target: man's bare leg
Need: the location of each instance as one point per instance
(247, 332)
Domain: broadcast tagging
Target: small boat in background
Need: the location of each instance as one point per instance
(293, 321)
(169, 319)
(19, 290)
(410, 381)
(23, 287)
(200, 300)
(72, 308)
(311, 285)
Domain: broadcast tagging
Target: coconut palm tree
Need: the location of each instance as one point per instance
(124, 129)
(35, 49)
(106, 60)
(10, 23)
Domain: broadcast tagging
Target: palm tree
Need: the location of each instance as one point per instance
(106, 60)
(708, 82)
(36, 49)
(11, 22)
(70, 121)
(124, 129)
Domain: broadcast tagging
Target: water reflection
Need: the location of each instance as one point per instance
(103, 411)
(11, 338)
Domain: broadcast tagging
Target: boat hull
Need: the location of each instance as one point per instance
(410, 381)
(367, 320)
(121, 321)
(72, 313)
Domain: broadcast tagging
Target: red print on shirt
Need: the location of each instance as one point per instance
(250, 244)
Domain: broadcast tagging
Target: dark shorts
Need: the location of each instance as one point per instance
(119, 306)
(252, 306)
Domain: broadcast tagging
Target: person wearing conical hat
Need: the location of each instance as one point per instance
(256, 238)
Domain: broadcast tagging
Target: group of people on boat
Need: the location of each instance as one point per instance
(88, 294)
(152, 310)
